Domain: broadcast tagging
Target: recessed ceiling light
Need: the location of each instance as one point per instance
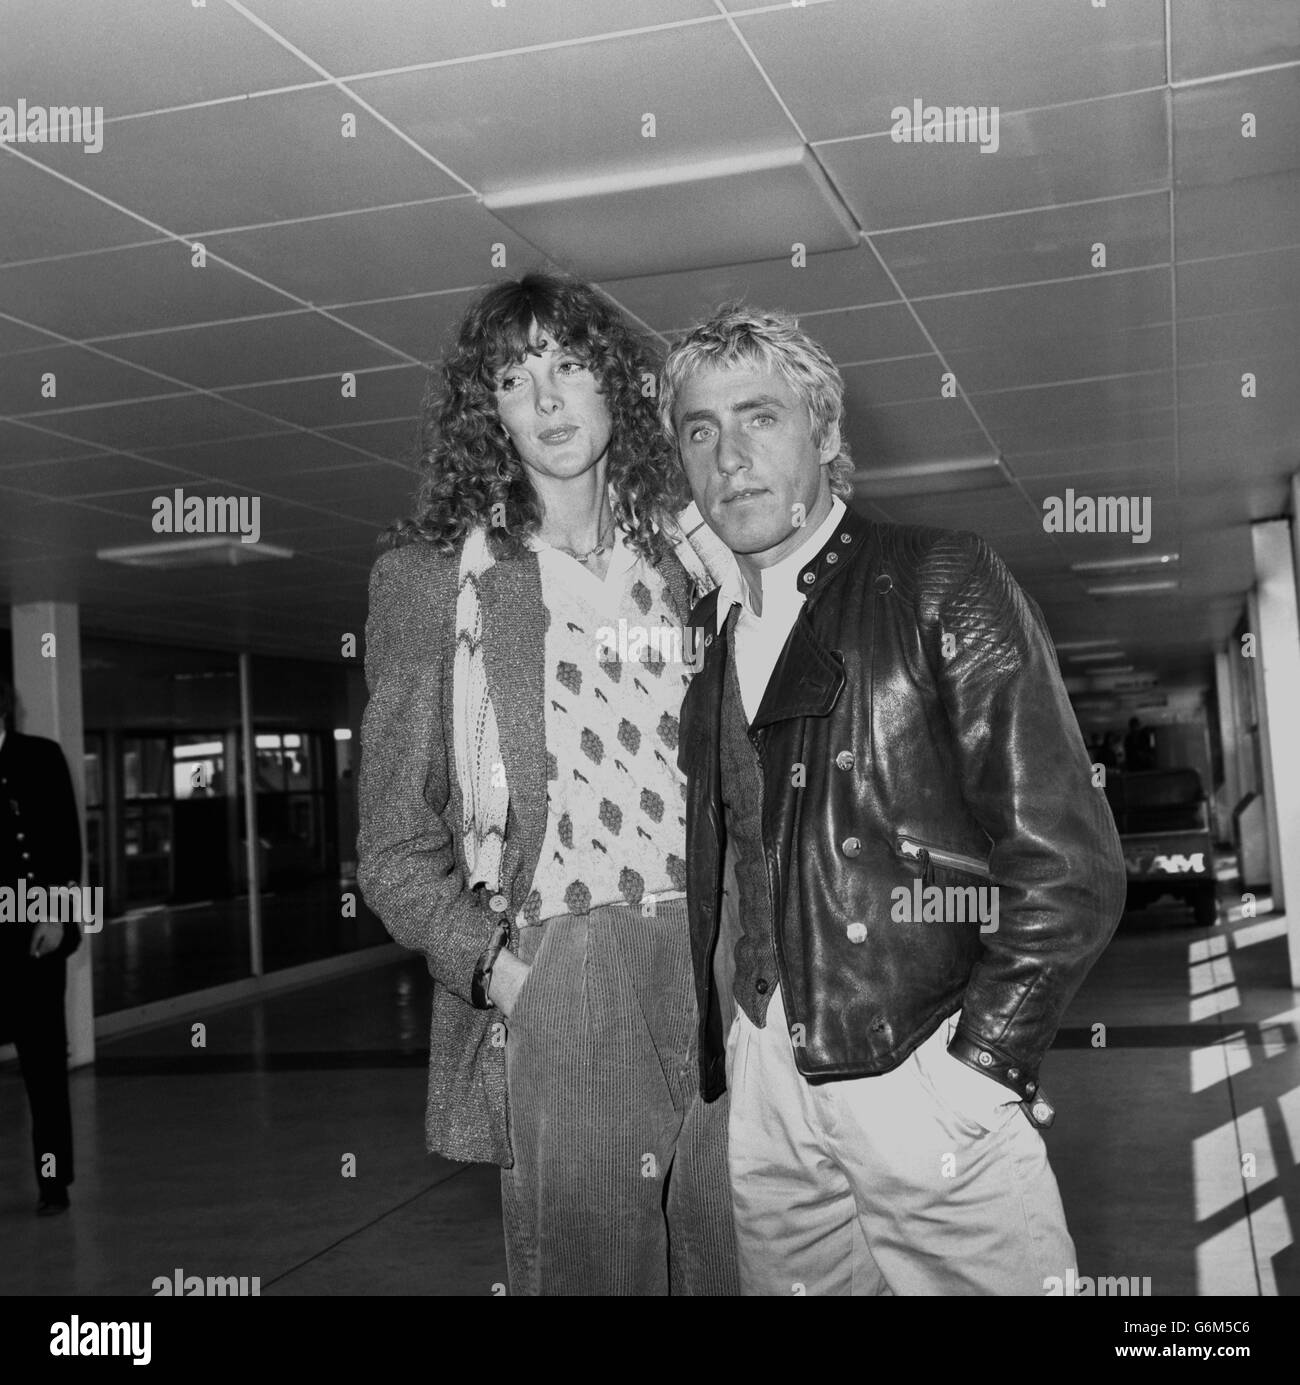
(207, 552)
(926, 478)
(1131, 588)
(1123, 564)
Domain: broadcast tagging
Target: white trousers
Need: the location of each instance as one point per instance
(876, 1185)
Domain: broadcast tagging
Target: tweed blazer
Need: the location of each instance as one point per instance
(411, 867)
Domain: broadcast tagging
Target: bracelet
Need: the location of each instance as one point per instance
(483, 971)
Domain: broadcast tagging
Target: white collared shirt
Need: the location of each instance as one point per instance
(760, 639)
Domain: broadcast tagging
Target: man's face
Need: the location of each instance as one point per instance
(553, 411)
(746, 443)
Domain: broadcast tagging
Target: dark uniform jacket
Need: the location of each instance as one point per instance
(40, 841)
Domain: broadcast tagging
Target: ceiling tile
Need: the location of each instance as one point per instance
(1029, 247)
(1229, 218)
(423, 325)
(1239, 336)
(158, 423)
(895, 434)
(1237, 283)
(1043, 428)
(237, 353)
(744, 214)
(1035, 360)
(1207, 37)
(247, 461)
(15, 337)
(1151, 456)
(320, 403)
(1076, 404)
(35, 443)
(79, 377)
(1128, 481)
(707, 100)
(395, 439)
(392, 33)
(893, 382)
(92, 476)
(384, 254)
(991, 321)
(672, 302)
(1063, 154)
(130, 291)
(866, 334)
(1209, 144)
(294, 161)
(40, 215)
(873, 55)
(142, 57)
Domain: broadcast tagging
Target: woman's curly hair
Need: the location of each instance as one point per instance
(469, 465)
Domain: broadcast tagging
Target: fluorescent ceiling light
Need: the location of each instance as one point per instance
(1132, 588)
(629, 180)
(209, 552)
(1092, 658)
(1106, 672)
(917, 478)
(1084, 644)
(1123, 564)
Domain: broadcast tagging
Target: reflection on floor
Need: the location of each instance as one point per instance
(152, 954)
(1176, 1079)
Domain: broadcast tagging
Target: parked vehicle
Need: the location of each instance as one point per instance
(1163, 817)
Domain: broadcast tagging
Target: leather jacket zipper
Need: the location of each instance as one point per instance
(927, 857)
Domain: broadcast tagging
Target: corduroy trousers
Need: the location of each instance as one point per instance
(619, 1184)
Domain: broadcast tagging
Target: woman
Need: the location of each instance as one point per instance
(522, 807)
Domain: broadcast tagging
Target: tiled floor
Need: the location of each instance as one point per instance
(229, 1160)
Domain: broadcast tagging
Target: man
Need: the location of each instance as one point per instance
(40, 843)
(522, 810)
(886, 771)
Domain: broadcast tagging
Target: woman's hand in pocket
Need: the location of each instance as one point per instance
(508, 977)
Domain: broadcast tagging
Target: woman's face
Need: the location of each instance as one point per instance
(553, 411)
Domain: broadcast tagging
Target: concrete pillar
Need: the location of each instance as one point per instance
(1275, 618)
(47, 684)
(1225, 687)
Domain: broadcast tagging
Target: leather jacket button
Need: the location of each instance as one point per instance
(985, 1060)
(1013, 1073)
(1041, 1112)
(809, 578)
(857, 932)
(884, 583)
(498, 904)
(832, 557)
(851, 846)
(760, 986)
(1031, 1086)
(844, 760)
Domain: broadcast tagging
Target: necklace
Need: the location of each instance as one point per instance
(585, 558)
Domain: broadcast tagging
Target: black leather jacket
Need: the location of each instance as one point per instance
(921, 694)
